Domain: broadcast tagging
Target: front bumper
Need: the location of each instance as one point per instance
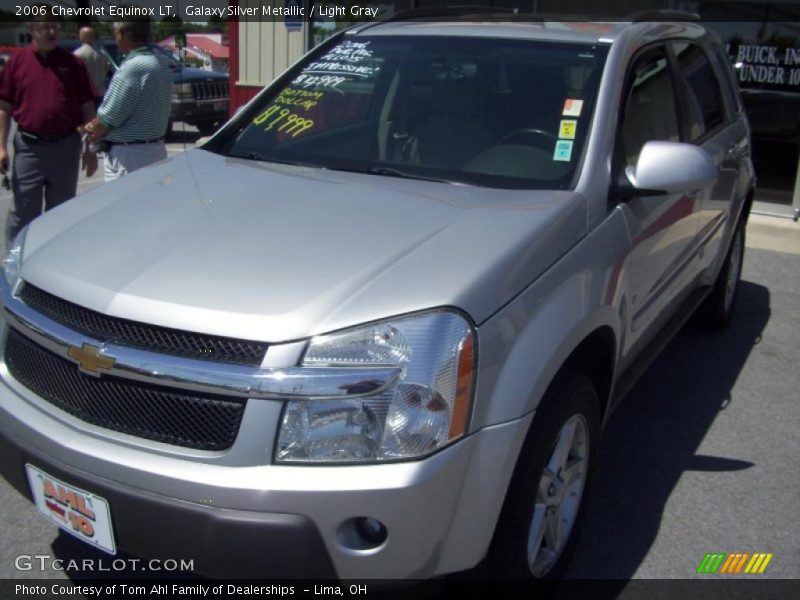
(270, 520)
(282, 545)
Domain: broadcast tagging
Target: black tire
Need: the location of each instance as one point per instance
(716, 310)
(571, 400)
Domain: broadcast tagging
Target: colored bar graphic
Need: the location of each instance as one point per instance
(741, 562)
(716, 563)
(711, 562)
(759, 563)
(728, 565)
(754, 563)
(767, 558)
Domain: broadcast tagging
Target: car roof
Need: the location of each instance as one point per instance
(590, 32)
(555, 31)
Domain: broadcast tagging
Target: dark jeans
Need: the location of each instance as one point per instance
(45, 175)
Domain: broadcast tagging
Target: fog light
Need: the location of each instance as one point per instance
(371, 530)
(364, 534)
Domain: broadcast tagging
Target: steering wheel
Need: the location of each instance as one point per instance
(544, 139)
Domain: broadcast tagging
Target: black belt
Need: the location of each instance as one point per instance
(34, 138)
(132, 142)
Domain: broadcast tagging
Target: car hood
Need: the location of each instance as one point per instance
(275, 253)
(188, 74)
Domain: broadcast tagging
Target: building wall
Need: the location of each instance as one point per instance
(262, 49)
(13, 35)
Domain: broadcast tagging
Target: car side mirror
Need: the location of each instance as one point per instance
(668, 168)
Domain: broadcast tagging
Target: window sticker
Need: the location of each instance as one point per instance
(567, 129)
(287, 121)
(295, 109)
(572, 107)
(563, 151)
(302, 99)
(347, 60)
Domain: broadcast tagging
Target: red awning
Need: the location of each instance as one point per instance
(207, 45)
(200, 42)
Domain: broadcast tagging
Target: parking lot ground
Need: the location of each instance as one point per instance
(703, 455)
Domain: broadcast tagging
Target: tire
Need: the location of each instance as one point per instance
(716, 310)
(540, 520)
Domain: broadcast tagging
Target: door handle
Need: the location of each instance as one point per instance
(736, 151)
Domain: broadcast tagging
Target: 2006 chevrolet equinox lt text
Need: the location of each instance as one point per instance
(374, 326)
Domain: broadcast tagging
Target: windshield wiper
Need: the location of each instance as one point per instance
(280, 161)
(385, 171)
(391, 172)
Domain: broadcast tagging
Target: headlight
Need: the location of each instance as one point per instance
(182, 90)
(426, 409)
(13, 260)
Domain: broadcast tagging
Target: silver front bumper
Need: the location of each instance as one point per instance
(439, 512)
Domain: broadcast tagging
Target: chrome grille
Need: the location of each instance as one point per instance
(140, 335)
(210, 90)
(149, 412)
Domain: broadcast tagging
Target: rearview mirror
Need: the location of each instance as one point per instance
(670, 168)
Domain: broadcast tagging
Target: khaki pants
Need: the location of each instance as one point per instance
(122, 159)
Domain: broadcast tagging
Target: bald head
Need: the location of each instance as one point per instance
(86, 35)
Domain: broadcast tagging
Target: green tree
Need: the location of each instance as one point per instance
(217, 24)
(167, 27)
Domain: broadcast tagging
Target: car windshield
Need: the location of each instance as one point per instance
(484, 111)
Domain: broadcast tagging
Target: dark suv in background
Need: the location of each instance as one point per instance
(199, 97)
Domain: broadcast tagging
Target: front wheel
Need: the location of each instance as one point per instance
(539, 524)
(716, 310)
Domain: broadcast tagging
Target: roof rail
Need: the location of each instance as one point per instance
(662, 15)
(436, 12)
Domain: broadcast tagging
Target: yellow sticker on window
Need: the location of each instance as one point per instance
(567, 129)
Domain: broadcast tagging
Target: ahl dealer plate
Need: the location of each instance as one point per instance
(84, 515)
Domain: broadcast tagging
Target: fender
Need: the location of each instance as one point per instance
(582, 292)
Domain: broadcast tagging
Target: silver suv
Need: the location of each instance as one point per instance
(375, 327)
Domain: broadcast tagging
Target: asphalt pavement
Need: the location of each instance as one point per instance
(703, 456)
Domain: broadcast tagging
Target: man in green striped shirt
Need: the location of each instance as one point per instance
(132, 120)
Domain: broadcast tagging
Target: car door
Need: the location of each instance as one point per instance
(662, 228)
(709, 126)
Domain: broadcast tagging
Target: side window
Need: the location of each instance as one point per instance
(650, 112)
(704, 98)
(729, 81)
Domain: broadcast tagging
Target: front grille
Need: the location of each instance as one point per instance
(154, 413)
(142, 335)
(210, 90)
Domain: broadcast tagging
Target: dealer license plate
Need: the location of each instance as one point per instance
(84, 515)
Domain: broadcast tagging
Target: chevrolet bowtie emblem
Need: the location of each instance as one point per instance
(89, 359)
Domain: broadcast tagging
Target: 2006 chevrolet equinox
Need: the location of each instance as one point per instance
(375, 326)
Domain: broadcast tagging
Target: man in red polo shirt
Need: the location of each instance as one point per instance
(47, 91)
